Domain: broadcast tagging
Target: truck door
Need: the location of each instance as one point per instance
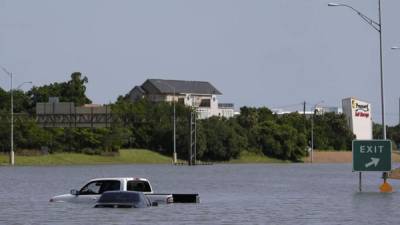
(91, 192)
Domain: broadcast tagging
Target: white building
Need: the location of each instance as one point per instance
(199, 94)
(359, 118)
(319, 110)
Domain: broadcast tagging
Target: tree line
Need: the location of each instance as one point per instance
(150, 125)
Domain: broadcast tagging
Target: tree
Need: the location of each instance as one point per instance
(221, 140)
(74, 90)
(70, 91)
(393, 133)
(281, 141)
(332, 132)
(28, 135)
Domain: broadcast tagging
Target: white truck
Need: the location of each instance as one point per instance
(91, 192)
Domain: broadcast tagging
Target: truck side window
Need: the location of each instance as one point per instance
(98, 187)
(137, 185)
(91, 188)
(112, 185)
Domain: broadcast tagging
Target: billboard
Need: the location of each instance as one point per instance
(359, 117)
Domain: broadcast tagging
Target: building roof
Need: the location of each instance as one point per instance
(139, 89)
(179, 86)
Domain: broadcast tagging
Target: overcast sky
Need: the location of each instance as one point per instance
(272, 53)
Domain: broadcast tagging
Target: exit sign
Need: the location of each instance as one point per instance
(372, 155)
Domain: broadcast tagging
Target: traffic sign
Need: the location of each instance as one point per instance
(372, 155)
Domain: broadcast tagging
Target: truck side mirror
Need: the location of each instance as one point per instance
(74, 192)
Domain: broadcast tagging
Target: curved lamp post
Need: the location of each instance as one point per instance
(378, 27)
(12, 157)
(12, 116)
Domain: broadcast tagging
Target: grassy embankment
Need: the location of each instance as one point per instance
(247, 157)
(142, 156)
(126, 156)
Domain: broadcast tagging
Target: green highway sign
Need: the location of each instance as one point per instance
(372, 155)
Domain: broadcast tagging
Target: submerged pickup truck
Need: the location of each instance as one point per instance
(91, 192)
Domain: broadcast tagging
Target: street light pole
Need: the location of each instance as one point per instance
(381, 69)
(12, 116)
(12, 159)
(312, 138)
(12, 156)
(174, 154)
(378, 27)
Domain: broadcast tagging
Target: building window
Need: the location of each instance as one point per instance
(205, 103)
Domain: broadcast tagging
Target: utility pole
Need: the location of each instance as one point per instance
(12, 158)
(378, 27)
(175, 158)
(12, 116)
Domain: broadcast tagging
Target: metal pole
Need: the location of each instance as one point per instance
(359, 182)
(381, 70)
(384, 175)
(195, 137)
(12, 122)
(174, 155)
(312, 138)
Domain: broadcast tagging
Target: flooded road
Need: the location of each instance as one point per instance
(229, 194)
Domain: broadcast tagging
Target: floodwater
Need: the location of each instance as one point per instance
(229, 194)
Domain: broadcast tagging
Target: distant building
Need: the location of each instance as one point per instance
(226, 110)
(65, 114)
(319, 110)
(199, 94)
(329, 109)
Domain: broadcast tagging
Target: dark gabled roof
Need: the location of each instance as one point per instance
(139, 89)
(180, 86)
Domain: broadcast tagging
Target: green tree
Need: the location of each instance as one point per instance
(281, 141)
(222, 142)
(332, 132)
(70, 91)
(28, 135)
(75, 89)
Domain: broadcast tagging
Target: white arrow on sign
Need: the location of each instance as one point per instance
(374, 161)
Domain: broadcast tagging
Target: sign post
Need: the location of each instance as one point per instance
(371, 155)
